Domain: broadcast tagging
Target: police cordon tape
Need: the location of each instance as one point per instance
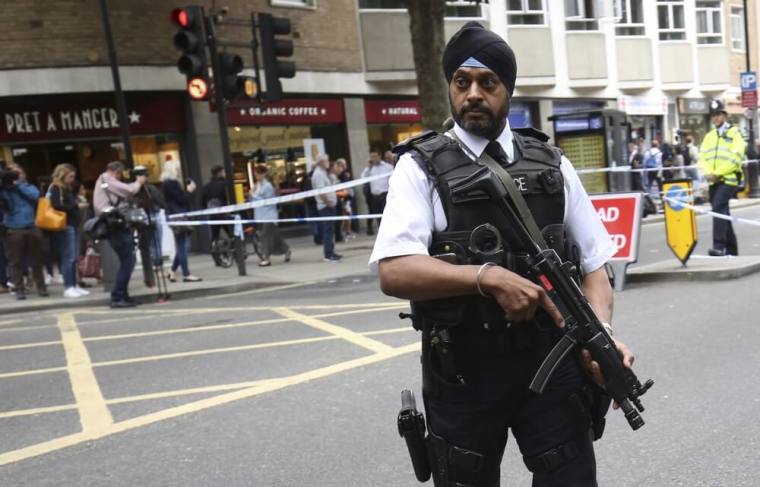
(193, 223)
(629, 168)
(702, 211)
(278, 199)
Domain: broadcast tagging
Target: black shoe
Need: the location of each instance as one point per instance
(131, 300)
(123, 304)
(20, 296)
(43, 292)
(288, 254)
(716, 252)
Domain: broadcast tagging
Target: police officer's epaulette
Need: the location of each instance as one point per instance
(531, 142)
(415, 142)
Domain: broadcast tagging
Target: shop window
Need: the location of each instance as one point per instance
(631, 18)
(454, 8)
(709, 22)
(737, 28)
(670, 18)
(294, 3)
(525, 12)
(582, 14)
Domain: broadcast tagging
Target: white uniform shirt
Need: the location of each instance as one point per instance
(378, 186)
(414, 210)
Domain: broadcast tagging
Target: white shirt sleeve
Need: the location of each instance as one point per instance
(409, 217)
(582, 223)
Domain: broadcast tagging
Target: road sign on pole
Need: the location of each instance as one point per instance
(621, 216)
(680, 221)
(748, 83)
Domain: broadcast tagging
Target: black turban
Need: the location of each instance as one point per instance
(474, 40)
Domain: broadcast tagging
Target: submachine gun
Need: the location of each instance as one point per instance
(582, 328)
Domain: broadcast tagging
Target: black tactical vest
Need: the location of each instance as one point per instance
(536, 172)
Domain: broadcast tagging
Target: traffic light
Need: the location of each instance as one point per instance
(232, 85)
(191, 41)
(271, 49)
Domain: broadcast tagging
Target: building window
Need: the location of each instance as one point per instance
(709, 22)
(525, 12)
(581, 15)
(294, 3)
(631, 15)
(454, 8)
(737, 28)
(671, 20)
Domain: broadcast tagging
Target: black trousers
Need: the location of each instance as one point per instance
(496, 399)
(724, 237)
(376, 203)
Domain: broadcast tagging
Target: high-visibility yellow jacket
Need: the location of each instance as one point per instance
(723, 155)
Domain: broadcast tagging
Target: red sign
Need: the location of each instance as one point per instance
(621, 215)
(392, 111)
(286, 112)
(81, 116)
(749, 99)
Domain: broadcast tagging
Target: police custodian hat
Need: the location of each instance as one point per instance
(717, 106)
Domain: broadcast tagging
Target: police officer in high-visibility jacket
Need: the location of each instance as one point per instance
(720, 160)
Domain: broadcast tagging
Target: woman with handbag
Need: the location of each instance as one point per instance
(23, 240)
(271, 240)
(63, 198)
(178, 201)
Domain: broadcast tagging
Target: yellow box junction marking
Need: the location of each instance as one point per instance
(93, 412)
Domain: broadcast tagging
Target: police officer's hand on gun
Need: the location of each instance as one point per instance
(520, 297)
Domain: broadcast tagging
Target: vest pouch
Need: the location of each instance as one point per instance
(459, 191)
(442, 313)
(554, 235)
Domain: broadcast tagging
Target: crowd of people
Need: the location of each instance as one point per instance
(662, 162)
(30, 255)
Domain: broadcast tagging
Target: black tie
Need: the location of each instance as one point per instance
(494, 150)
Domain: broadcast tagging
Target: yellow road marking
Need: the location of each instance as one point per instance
(175, 393)
(10, 322)
(24, 373)
(379, 304)
(29, 345)
(93, 412)
(339, 331)
(196, 406)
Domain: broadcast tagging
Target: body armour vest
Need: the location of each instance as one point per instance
(536, 172)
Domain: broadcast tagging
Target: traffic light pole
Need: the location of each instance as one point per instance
(752, 167)
(121, 106)
(222, 118)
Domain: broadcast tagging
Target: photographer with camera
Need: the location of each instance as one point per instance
(23, 240)
(110, 193)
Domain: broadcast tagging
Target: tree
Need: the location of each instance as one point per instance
(426, 27)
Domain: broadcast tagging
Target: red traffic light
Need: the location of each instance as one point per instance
(197, 88)
(181, 17)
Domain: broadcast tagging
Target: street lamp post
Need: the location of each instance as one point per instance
(752, 166)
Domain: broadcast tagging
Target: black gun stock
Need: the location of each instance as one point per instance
(582, 327)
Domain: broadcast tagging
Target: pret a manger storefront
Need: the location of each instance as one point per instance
(40, 132)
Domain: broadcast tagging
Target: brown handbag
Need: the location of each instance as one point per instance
(48, 218)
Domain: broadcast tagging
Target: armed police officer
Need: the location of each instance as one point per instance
(720, 159)
(485, 327)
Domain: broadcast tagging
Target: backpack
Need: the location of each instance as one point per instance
(651, 159)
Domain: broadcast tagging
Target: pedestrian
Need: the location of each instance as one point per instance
(310, 207)
(691, 157)
(23, 241)
(178, 201)
(63, 198)
(110, 193)
(334, 173)
(326, 203)
(653, 166)
(50, 252)
(151, 199)
(272, 242)
(720, 158)
(214, 195)
(3, 231)
(477, 369)
(346, 198)
(376, 191)
(636, 161)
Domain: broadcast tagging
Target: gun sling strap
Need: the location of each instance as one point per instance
(515, 196)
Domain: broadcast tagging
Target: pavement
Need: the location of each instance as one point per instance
(307, 267)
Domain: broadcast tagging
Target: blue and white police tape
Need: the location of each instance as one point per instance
(679, 202)
(279, 199)
(196, 223)
(628, 168)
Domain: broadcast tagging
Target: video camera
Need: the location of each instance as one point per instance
(8, 177)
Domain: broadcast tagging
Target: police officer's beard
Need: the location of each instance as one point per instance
(487, 127)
